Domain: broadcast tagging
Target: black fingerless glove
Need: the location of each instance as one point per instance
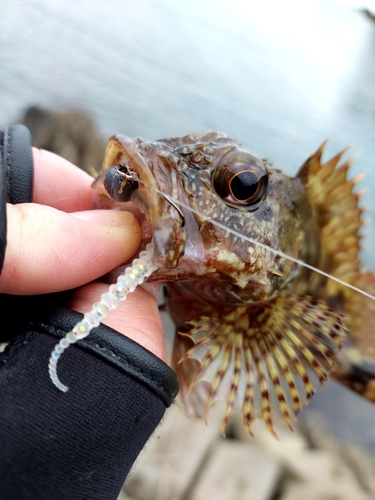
(80, 444)
(16, 174)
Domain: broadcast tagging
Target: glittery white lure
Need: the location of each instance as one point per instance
(134, 275)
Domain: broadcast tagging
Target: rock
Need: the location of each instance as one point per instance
(323, 490)
(238, 471)
(287, 442)
(187, 460)
(321, 473)
(71, 134)
(173, 456)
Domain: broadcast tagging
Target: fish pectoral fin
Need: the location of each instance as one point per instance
(265, 360)
(194, 404)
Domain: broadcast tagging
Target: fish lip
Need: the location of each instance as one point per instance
(148, 198)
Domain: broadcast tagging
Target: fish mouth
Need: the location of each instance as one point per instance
(146, 192)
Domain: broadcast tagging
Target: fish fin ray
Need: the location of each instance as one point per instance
(335, 207)
(193, 403)
(268, 359)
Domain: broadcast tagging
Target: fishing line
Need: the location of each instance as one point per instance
(218, 224)
(137, 273)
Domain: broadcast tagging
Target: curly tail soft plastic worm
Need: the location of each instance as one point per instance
(133, 276)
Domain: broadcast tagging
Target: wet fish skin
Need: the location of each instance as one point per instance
(264, 335)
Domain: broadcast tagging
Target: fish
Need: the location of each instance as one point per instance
(237, 244)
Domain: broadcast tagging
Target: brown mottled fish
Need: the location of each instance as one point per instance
(255, 328)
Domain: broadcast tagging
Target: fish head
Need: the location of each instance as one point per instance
(221, 219)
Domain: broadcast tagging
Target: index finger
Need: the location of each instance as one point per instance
(60, 184)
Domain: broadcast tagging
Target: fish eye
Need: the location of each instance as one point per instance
(240, 179)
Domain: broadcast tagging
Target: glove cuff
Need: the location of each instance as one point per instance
(118, 350)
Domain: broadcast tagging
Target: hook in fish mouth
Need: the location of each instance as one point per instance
(121, 182)
(125, 171)
(131, 177)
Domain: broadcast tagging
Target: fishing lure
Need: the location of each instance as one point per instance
(127, 282)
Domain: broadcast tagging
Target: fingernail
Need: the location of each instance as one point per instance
(106, 217)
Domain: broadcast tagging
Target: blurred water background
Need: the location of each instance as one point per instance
(280, 77)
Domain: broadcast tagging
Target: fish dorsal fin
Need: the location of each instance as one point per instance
(335, 206)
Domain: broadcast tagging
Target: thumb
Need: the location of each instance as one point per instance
(49, 250)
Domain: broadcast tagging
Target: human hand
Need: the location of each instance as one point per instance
(59, 243)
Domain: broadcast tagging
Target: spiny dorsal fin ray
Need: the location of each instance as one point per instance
(360, 314)
(266, 360)
(336, 208)
(340, 218)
